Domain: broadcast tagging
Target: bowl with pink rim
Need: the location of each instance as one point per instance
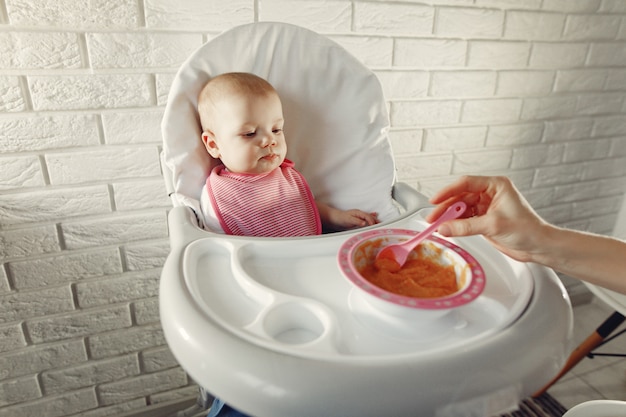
(438, 277)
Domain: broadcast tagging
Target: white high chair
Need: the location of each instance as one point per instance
(271, 326)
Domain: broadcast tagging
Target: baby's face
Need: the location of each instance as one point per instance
(248, 134)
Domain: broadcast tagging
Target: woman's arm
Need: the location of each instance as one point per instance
(599, 260)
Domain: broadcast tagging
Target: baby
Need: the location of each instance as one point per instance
(256, 191)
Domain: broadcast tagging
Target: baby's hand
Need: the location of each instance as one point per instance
(350, 219)
(334, 219)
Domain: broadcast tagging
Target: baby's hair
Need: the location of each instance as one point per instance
(227, 84)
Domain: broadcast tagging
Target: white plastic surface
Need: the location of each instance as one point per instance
(598, 408)
(612, 298)
(282, 339)
(290, 296)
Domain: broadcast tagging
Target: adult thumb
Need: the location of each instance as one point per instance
(460, 227)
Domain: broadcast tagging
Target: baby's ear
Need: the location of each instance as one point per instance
(210, 144)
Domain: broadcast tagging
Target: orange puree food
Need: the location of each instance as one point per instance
(420, 276)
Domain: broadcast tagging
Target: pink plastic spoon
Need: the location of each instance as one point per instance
(399, 252)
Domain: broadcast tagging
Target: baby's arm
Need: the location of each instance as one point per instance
(335, 219)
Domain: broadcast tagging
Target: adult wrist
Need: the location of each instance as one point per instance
(546, 240)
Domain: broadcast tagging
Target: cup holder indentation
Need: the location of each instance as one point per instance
(294, 323)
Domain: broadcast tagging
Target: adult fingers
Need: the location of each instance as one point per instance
(463, 227)
(471, 200)
(465, 184)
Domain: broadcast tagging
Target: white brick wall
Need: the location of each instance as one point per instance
(534, 89)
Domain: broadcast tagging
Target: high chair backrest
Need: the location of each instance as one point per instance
(336, 120)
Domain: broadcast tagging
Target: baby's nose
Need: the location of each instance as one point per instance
(268, 140)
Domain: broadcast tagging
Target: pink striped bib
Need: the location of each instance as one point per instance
(279, 203)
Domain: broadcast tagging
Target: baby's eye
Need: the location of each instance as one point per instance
(277, 131)
(249, 134)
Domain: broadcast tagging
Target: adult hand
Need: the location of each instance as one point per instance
(496, 210)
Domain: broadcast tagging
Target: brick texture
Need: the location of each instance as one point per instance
(532, 89)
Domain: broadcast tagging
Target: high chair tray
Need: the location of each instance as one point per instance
(289, 295)
(273, 328)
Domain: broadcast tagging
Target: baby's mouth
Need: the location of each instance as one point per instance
(270, 156)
